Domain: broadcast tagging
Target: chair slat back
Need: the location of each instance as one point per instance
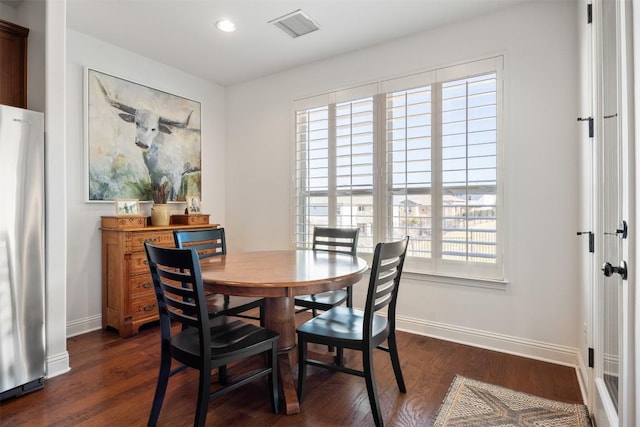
(386, 270)
(178, 286)
(208, 243)
(336, 239)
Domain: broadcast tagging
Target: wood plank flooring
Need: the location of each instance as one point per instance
(112, 381)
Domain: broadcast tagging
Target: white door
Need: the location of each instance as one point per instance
(612, 305)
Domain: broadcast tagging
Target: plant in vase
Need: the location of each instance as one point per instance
(160, 212)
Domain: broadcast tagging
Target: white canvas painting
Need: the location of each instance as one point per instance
(136, 136)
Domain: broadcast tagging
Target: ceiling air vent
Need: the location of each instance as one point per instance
(295, 24)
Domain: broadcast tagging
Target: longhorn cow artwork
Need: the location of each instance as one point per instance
(139, 136)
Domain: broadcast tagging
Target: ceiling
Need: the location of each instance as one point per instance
(182, 33)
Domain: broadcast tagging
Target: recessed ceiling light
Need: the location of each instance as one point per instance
(226, 26)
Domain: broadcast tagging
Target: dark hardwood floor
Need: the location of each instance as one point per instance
(112, 380)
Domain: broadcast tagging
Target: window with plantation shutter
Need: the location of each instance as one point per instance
(354, 169)
(469, 169)
(408, 168)
(312, 172)
(419, 157)
(334, 173)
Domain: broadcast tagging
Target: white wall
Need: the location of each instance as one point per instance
(538, 313)
(9, 13)
(56, 178)
(84, 305)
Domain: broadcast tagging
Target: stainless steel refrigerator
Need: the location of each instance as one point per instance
(22, 256)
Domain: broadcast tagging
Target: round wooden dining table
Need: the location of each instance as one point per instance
(278, 276)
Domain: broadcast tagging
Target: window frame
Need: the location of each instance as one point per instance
(448, 271)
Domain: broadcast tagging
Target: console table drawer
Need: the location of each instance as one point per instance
(138, 263)
(141, 285)
(157, 238)
(144, 307)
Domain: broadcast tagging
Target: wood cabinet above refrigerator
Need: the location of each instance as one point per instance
(13, 57)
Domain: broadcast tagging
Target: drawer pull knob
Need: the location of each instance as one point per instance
(147, 285)
(148, 307)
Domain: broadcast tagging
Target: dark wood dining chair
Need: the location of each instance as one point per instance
(343, 240)
(202, 343)
(364, 331)
(213, 242)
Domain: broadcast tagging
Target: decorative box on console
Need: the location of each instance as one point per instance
(190, 219)
(120, 222)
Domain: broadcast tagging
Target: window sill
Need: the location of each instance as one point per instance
(500, 285)
(412, 272)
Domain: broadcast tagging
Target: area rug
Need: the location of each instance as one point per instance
(475, 403)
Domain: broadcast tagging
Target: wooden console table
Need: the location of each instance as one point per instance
(128, 299)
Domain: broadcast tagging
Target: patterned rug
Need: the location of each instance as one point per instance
(472, 403)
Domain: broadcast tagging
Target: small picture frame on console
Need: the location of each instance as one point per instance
(193, 205)
(127, 207)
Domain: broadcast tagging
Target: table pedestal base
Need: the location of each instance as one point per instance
(280, 317)
(288, 384)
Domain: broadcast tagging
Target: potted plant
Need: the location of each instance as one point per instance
(160, 212)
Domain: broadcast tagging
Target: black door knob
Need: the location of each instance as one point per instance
(609, 269)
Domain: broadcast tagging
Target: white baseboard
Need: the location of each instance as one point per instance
(538, 350)
(82, 326)
(58, 364)
(553, 353)
(584, 378)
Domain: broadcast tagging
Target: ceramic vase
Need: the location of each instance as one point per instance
(160, 215)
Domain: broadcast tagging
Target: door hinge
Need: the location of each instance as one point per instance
(591, 357)
(590, 120)
(589, 14)
(592, 240)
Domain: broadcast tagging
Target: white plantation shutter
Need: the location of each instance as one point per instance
(312, 172)
(419, 159)
(354, 168)
(408, 168)
(334, 169)
(469, 169)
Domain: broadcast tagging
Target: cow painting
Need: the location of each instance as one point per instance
(158, 140)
